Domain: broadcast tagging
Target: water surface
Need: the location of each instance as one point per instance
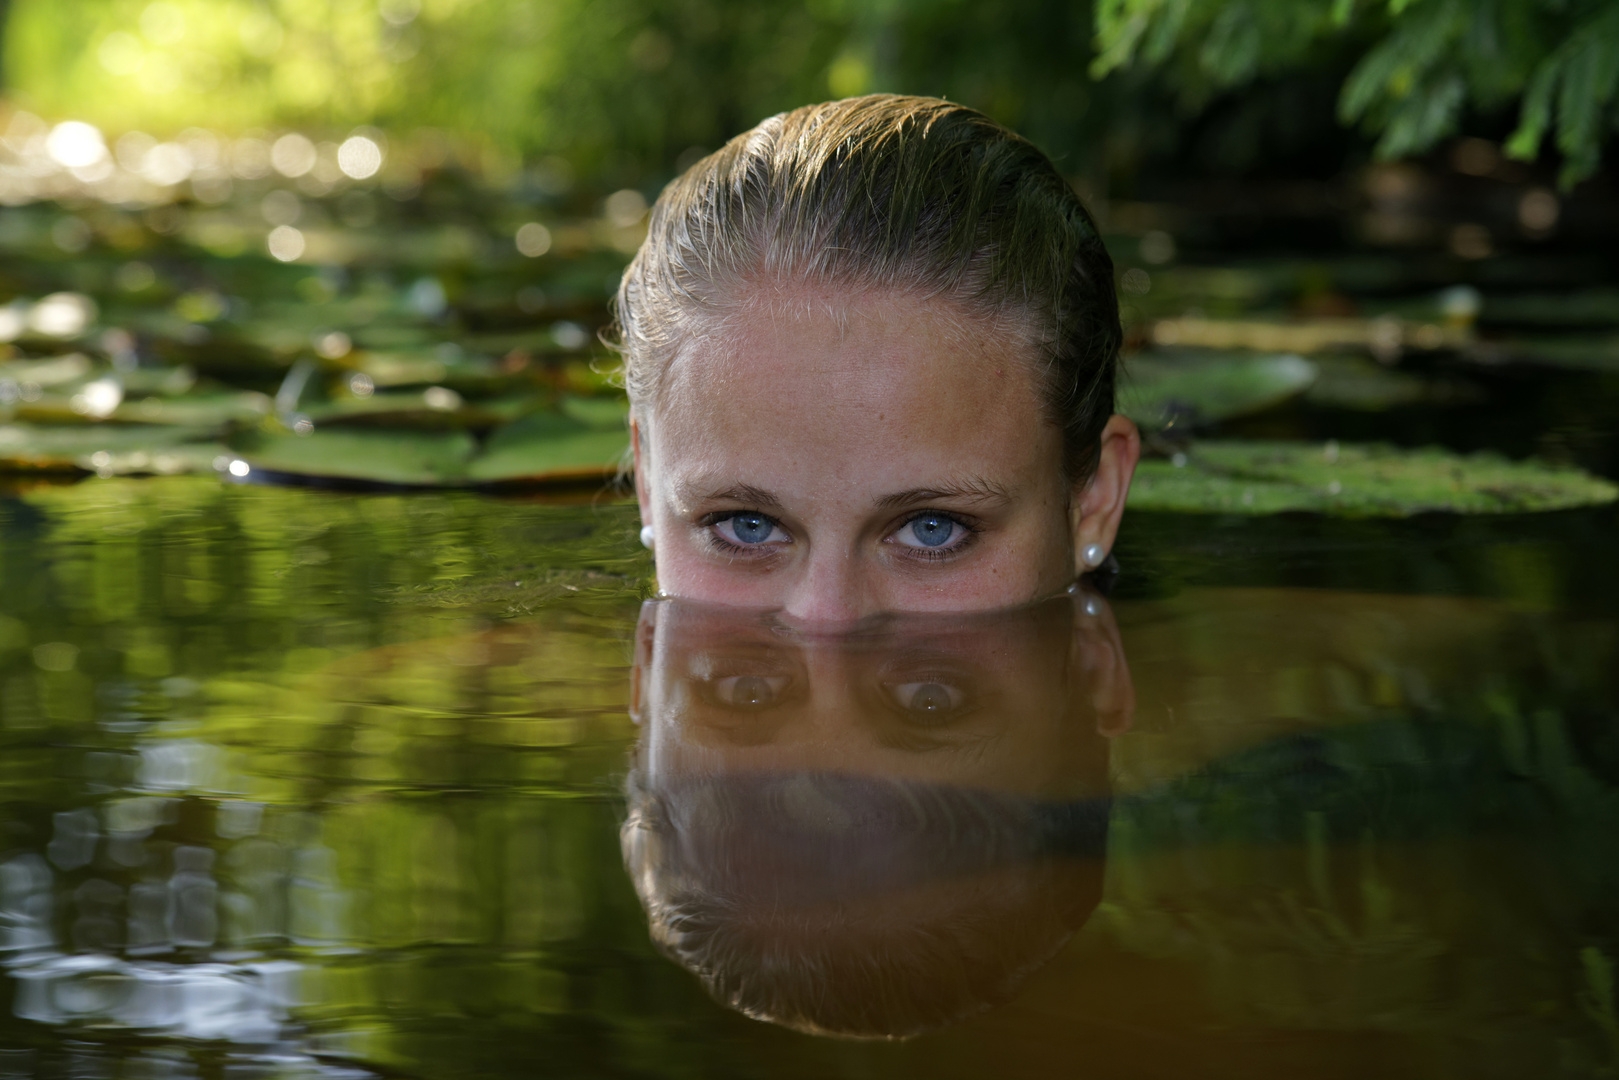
(303, 784)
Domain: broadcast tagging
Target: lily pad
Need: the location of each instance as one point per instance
(1363, 385)
(412, 459)
(216, 409)
(1356, 481)
(1380, 335)
(1575, 352)
(56, 371)
(106, 448)
(1583, 307)
(436, 407)
(584, 441)
(551, 447)
(166, 381)
(1161, 390)
(417, 367)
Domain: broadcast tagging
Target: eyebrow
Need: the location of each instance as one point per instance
(746, 494)
(971, 489)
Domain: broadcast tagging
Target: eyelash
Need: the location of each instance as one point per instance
(969, 530)
(725, 547)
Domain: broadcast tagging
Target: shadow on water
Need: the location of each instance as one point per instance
(299, 785)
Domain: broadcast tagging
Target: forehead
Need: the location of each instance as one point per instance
(850, 371)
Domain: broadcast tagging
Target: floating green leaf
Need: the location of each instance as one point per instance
(551, 447)
(1355, 382)
(106, 448)
(214, 409)
(583, 440)
(1163, 389)
(405, 458)
(1582, 307)
(1576, 352)
(56, 371)
(436, 407)
(1356, 481)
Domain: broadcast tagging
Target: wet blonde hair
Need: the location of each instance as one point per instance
(907, 193)
(815, 925)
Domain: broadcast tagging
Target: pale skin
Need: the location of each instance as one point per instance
(832, 454)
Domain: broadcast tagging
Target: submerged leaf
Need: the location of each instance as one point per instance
(1356, 481)
(1161, 390)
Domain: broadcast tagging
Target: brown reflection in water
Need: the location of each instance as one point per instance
(875, 834)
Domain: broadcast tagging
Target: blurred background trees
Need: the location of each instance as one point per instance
(624, 91)
(1422, 69)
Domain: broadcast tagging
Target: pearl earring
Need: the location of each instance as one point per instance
(648, 537)
(1093, 554)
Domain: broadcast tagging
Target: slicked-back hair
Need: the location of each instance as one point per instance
(924, 905)
(912, 194)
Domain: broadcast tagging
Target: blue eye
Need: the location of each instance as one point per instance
(752, 528)
(748, 529)
(932, 530)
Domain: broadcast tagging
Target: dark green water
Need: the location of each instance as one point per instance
(300, 784)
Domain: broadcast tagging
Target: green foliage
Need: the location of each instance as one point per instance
(1581, 81)
(1418, 64)
(620, 89)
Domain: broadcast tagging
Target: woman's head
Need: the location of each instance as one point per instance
(870, 350)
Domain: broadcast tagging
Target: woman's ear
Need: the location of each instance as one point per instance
(646, 633)
(643, 493)
(1095, 509)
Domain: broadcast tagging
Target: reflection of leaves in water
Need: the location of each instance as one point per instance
(1301, 874)
(1597, 999)
(1296, 963)
(520, 590)
(1356, 481)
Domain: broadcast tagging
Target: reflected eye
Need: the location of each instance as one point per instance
(749, 691)
(930, 531)
(749, 529)
(930, 702)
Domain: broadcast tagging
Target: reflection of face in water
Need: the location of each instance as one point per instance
(876, 833)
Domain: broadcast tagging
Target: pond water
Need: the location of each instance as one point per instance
(308, 784)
